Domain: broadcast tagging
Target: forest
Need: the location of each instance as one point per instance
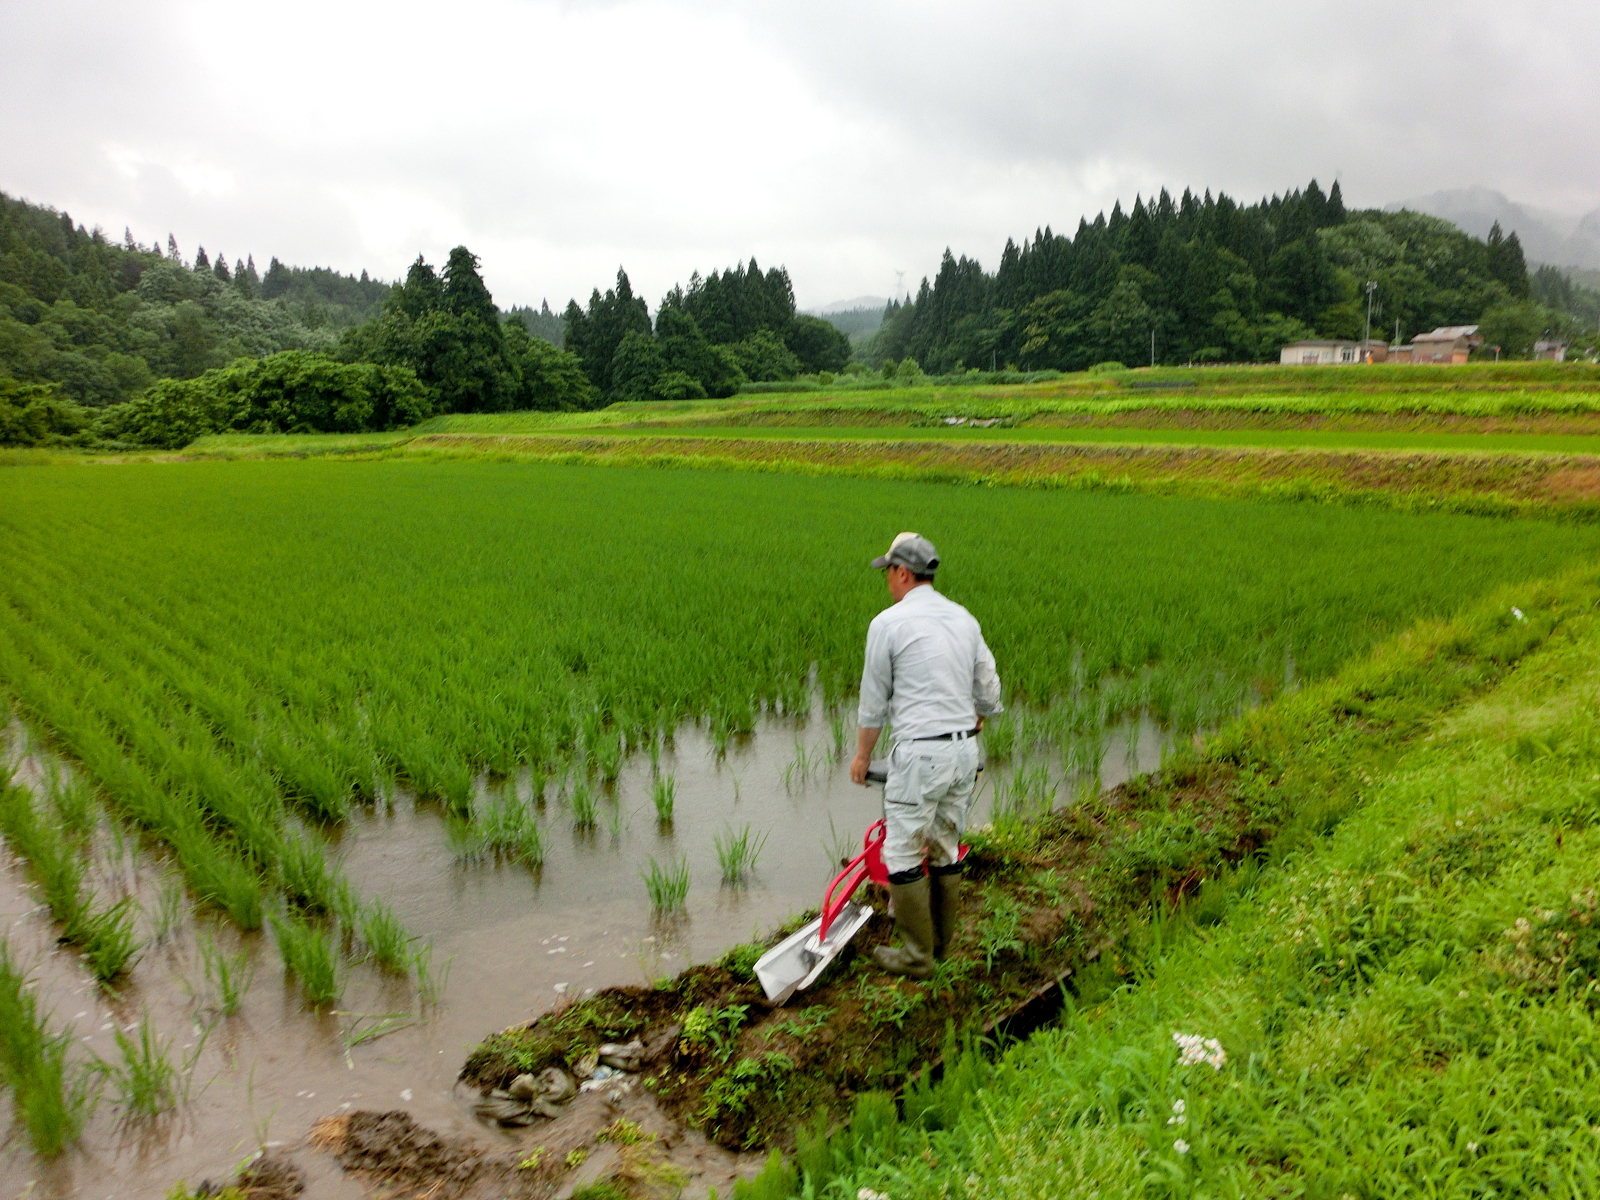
(1205, 279)
(119, 341)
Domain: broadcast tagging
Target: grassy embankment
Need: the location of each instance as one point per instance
(1376, 896)
(1405, 995)
(1515, 439)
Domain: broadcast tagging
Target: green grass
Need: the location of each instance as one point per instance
(1417, 968)
(663, 795)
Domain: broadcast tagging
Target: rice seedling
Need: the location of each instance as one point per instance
(431, 983)
(168, 916)
(839, 726)
(51, 1095)
(229, 975)
(737, 854)
(110, 946)
(503, 828)
(585, 808)
(668, 887)
(616, 818)
(385, 939)
(73, 804)
(308, 954)
(146, 1081)
(839, 847)
(664, 794)
(798, 770)
(1026, 793)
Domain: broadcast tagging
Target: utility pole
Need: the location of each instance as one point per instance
(1152, 347)
(1372, 286)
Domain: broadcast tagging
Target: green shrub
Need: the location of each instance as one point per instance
(35, 414)
(294, 391)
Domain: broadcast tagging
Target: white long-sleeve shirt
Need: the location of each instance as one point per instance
(928, 670)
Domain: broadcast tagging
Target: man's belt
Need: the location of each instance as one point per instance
(959, 735)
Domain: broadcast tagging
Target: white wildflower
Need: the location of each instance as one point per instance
(1472, 1147)
(1177, 1117)
(869, 1194)
(1181, 1146)
(1196, 1049)
(1517, 613)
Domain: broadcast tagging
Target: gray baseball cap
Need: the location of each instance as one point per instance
(912, 551)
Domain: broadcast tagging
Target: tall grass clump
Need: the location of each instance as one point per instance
(737, 854)
(308, 953)
(51, 1096)
(668, 887)
(110, 945)
(664, 794)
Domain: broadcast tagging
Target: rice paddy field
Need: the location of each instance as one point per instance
(322, 768)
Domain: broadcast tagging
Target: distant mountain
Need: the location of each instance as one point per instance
(839, 306)
(1547, 237)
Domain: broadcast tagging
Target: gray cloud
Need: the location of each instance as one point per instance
(846, 140)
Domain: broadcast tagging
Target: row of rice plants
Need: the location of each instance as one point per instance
(57, 860)
(224, 692)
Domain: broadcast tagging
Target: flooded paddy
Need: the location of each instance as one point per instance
(509, 942)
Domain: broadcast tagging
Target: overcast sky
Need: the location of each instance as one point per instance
(848, 141)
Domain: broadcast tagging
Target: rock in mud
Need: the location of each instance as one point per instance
(528, 1098)
(629, 1057)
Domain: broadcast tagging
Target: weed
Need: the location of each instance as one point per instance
(668, 887)
(803, 1023)
(624, 1133)
(737, 854)
(532, 1160)
(713, 1029)
(577, 1157)
(888, 1002)
(1000, 927)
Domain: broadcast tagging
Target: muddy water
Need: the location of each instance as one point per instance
(515, 942)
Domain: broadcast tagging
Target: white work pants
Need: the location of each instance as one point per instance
(926, 802)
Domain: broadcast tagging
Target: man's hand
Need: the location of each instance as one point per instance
(858, 768)
(866, 739)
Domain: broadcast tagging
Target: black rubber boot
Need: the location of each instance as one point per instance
(913, 921)
(945, 901)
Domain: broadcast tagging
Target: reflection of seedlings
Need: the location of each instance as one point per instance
(665, 796)
(668, 886)
(228, 974)
(737, 853)
(616, 819)
(584, 806)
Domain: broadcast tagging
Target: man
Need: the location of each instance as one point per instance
(930, 675)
